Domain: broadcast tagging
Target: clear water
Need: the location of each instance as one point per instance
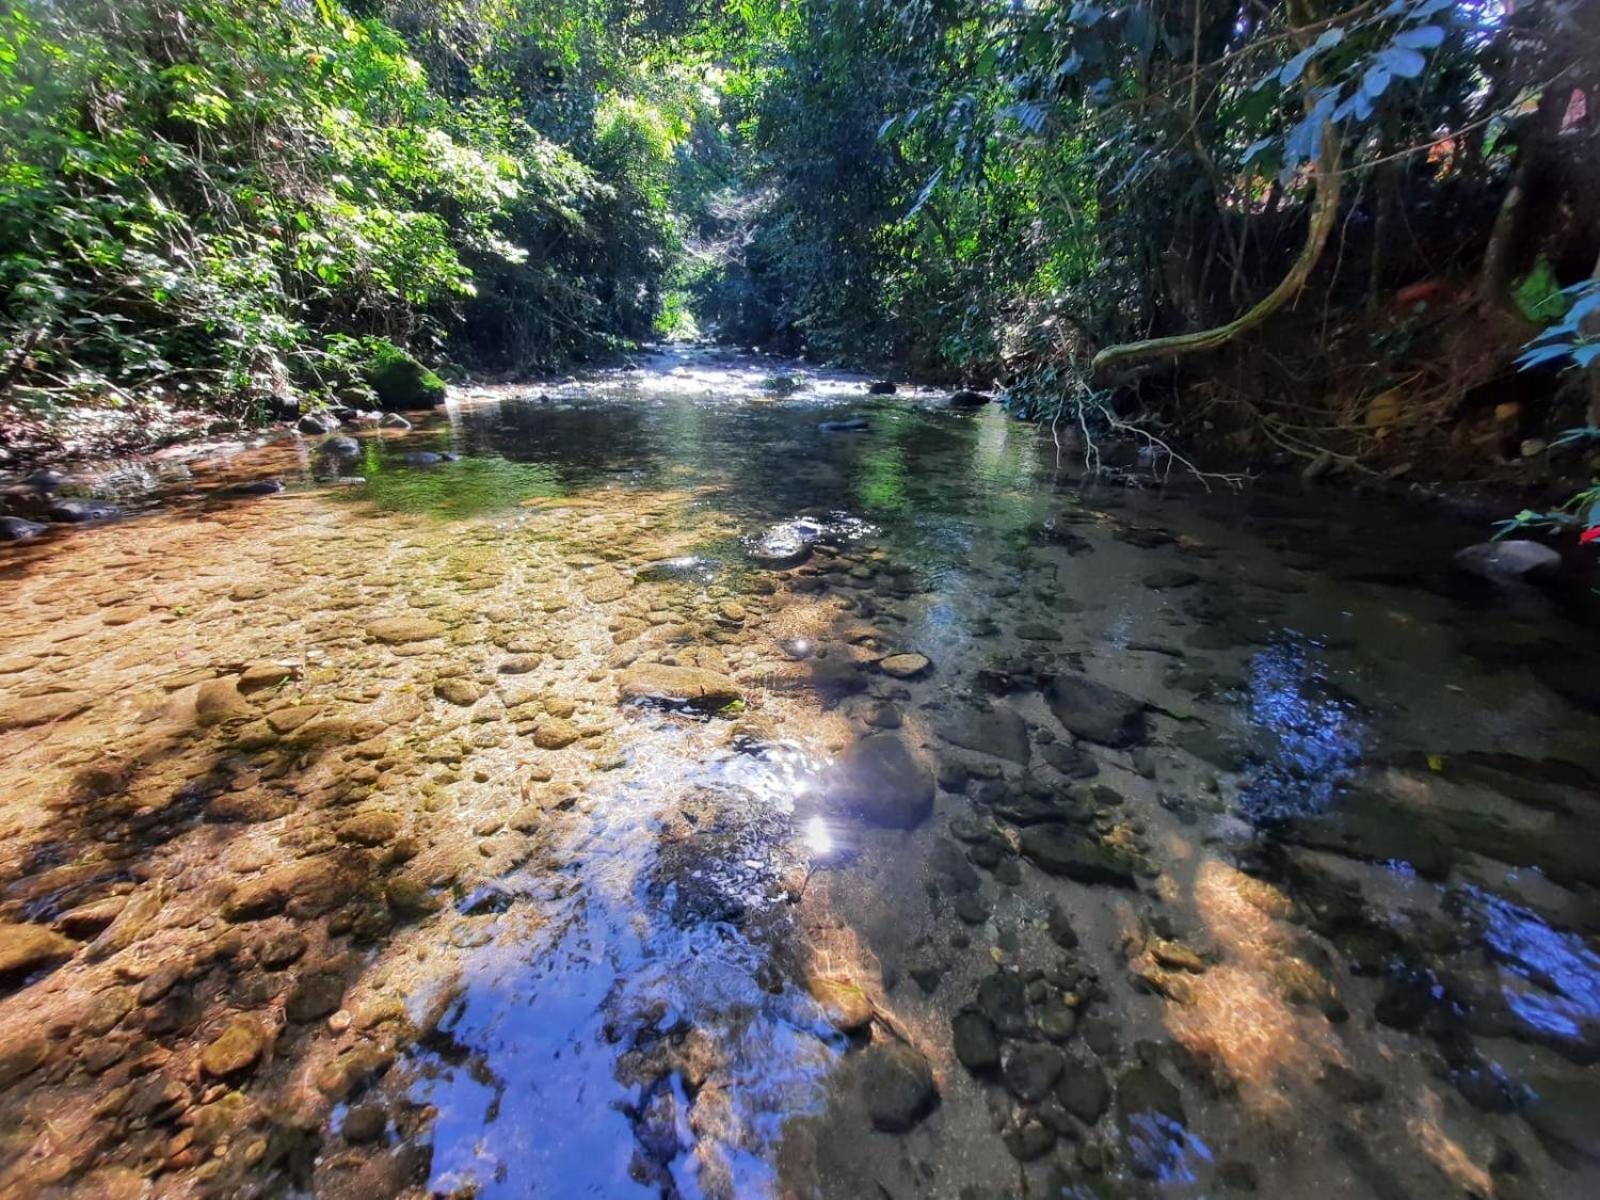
(576, 947)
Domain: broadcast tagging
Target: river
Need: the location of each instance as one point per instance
(643, 785)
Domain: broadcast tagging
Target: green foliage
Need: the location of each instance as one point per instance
(223, 197)
(195, 195)
(1570, 341)
(1573, 336)
(1538, 293)
(987, 188)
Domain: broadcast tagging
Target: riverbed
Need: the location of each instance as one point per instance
(707, 779)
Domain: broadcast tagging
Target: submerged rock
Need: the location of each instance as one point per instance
(1066, 850)
(897, 1085)
(976, 1041)
(1565, 1113)
(73, 512)
(1147, 1090)
(458, 690)
(1514, 558)
(1072, 761)
(314, 997)
(968, 399)
(15, 529)
(25, 949)
(847, 1008)
(340, 447)
(1097, 713)
(692, 687)
(364, 1123)
(44, 480)
(555, 733)
(850, 425)
(904, 666)
(237, 1048)
(998, 731)
(1031, 1070)
(219, 701)
(1083, 1090)
(1003, 998)
(396, 631)
(306, 888)
(257, 487)
(786, 545)
(879, 780)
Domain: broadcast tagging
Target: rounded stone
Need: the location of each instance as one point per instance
(904, 666)
(237, 1048)
(897, 1085)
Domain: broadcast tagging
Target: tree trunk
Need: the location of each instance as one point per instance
(1324, 211)
(1504, 251)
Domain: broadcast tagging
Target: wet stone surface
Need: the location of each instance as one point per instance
(686, 787)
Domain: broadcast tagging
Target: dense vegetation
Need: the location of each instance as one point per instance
(239, 198)
(1367, 207)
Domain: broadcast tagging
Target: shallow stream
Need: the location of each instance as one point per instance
(632, 787)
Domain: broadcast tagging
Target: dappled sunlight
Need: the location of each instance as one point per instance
(1238, 1013)
(1457, 1163)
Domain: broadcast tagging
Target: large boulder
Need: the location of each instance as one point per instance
(1097, 713)
(879, 780)
(1514, 558)
(401, 382)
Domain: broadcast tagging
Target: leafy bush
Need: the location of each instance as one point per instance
(195, 195)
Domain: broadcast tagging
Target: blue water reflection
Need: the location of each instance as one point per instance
(1161, 1149)
(1307, 738)
(637, 1037)
(1565, 972)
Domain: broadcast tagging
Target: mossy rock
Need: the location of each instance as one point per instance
(401, 382)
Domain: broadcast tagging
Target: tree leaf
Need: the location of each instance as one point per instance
(1376, 81)
(1407, 64)
(1295, 66)
(1255, 149)
(1423, 37)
